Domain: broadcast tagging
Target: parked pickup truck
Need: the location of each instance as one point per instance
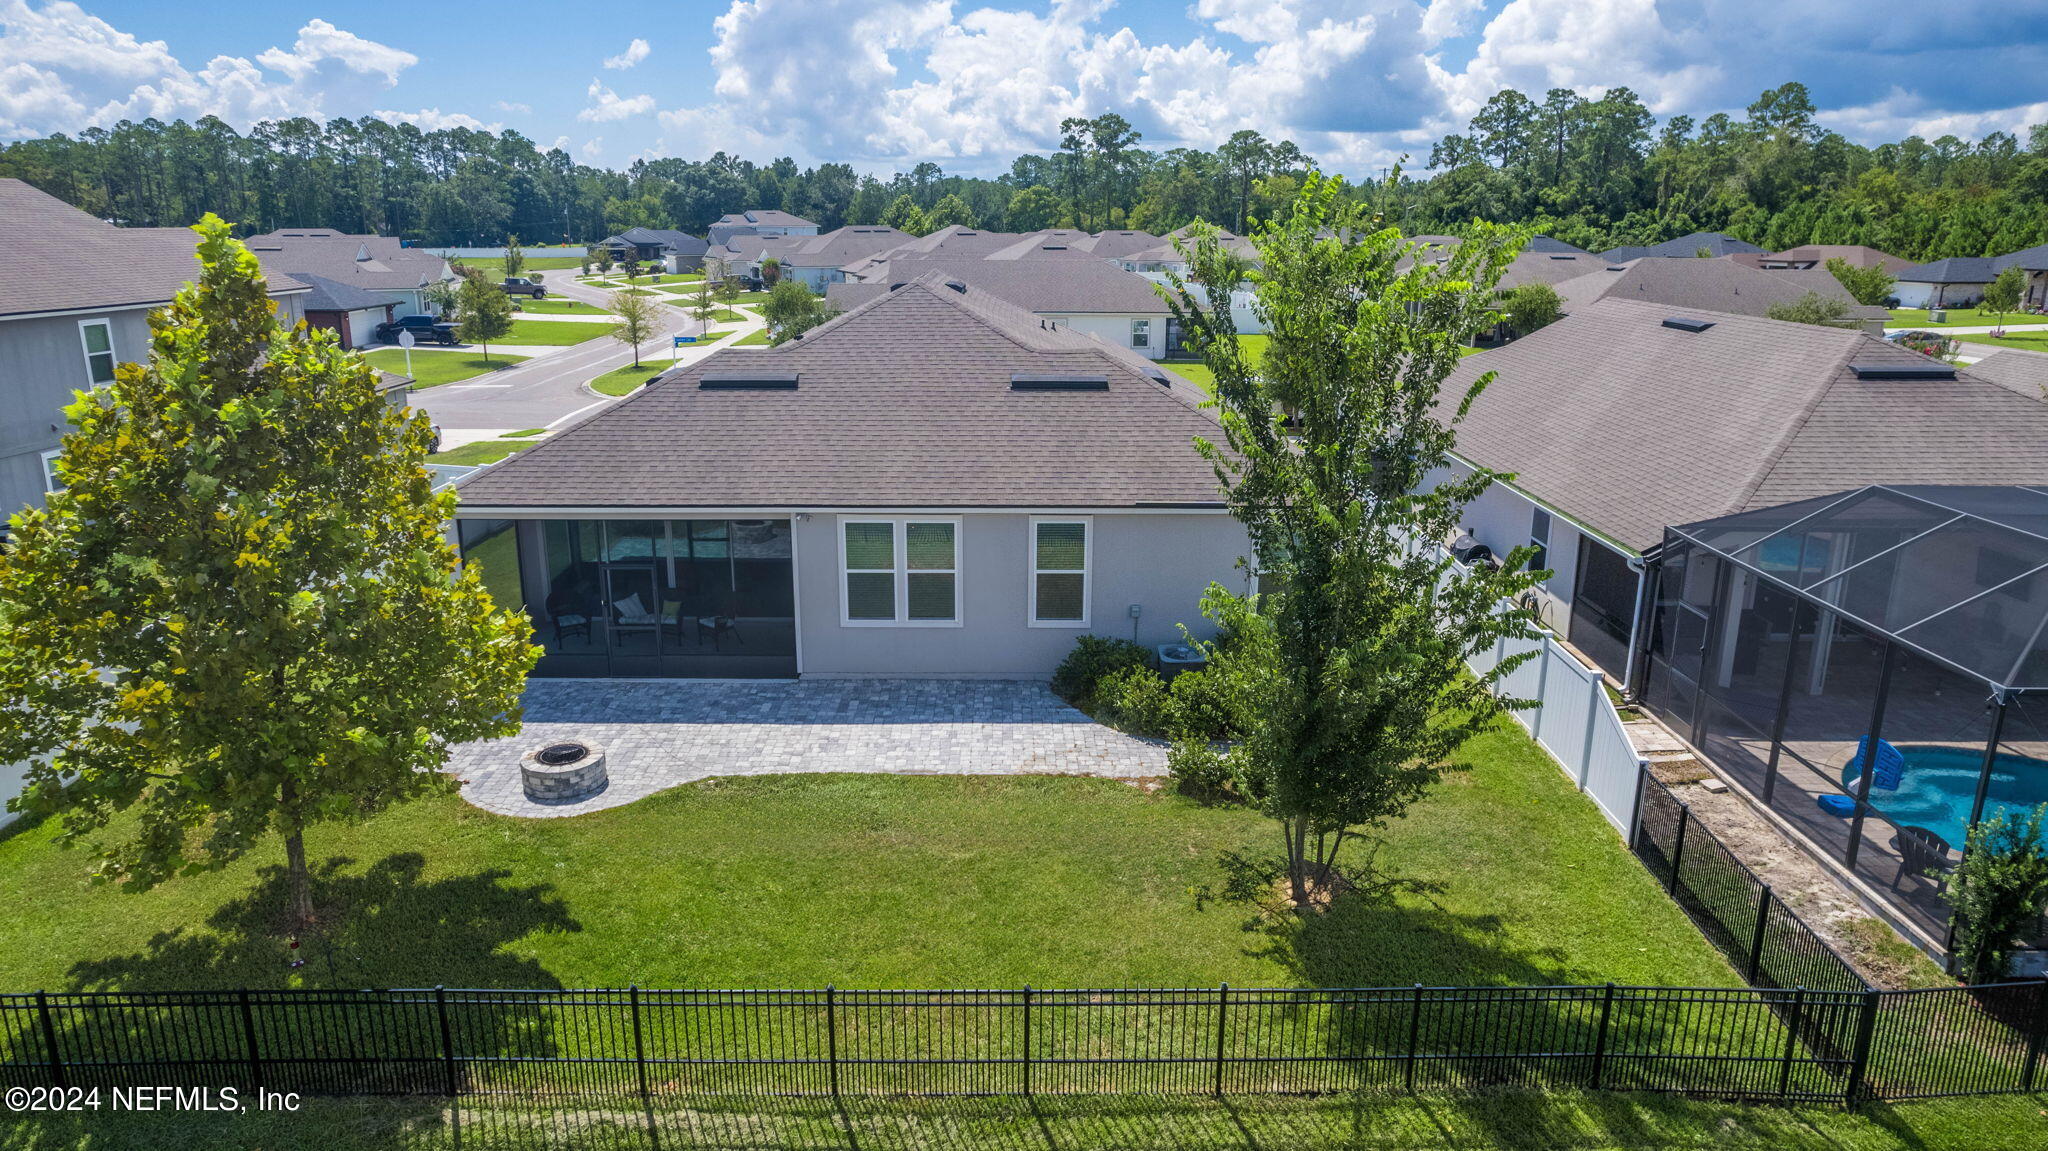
(424, 329)
(521, 286)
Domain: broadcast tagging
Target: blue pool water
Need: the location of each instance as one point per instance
(1940, 784)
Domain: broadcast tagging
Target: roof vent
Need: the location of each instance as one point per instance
(1903, 371)
(958, 286)
(1053, 248)
(1685, 325)
(747, 382)
(1617, 267)
(1029, 382)
(1562, 256)
(898, 284)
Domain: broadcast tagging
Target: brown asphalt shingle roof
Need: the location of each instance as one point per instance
(376, 263)
(1078, 286)
(1713, 285)
(903, 402)
(2023, 372)
(1628, 426)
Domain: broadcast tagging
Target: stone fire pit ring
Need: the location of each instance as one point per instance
(563, 771)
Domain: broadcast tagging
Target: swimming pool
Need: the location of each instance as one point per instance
(1940, 784)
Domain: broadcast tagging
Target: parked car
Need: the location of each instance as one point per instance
(424, 329)
(1926, 343)
(521, 286)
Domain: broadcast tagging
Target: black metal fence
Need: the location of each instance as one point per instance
(1739, 1043)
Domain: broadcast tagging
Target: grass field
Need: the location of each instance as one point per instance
(2035, 341)
(551, 332)
(1959, 318)
(495, 265)
(1198, 373)
(431, 369)
(561, 308)
(758, 338)
(626, 380)
(481, 452)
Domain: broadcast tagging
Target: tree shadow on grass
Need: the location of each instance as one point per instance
(386, 925)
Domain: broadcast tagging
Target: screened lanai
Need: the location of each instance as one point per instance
(1871, 665)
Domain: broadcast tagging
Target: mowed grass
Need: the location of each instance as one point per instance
(627, 380)
(873, 881)
(551, 332)
(480, 452)
(2035, 341)
(758, 338)
(560, 308)
(1198, 373)
(1959, 318)
(431, 369)
(495, 265)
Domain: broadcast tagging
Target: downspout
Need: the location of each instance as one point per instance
(1645, 567)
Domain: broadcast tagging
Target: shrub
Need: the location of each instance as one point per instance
(1094, 659)
(1198, 766)
(1136, 700)
(2000, 890)
(1201, 708)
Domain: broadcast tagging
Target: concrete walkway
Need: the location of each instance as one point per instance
(661, 733)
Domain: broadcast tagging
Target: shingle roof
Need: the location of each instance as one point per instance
(1547, 244)
(1628, 426)
(1716, 244)
(1714, 285)
(833, 249)
(1534, 267)
(1952, 270)
(333, 296)
(57, 258)
(682, 242)
(906, 401)
(1858, 256)
(2032, 259)
(1042, 286)
(1164, 252)
(766, 217)
(379, 263)
(2023, 372)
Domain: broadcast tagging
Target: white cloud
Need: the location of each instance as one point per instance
(430, 119)
(606, 104)
(561, 144)
(514, 106)
(591, 148)
(1444, 19)
(634, 53)
(67, 69)
(1901, 113)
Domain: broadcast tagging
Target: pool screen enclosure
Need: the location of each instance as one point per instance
(1871, 665)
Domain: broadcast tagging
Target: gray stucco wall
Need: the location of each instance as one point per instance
(1162, 562)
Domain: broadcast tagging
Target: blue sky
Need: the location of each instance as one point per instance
(883, 84)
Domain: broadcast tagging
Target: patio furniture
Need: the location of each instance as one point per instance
(1924, 854)
(1839, 805)
(634, 614)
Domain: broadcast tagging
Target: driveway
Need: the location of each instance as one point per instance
(661, 733)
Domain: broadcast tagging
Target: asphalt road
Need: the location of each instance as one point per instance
(547, 391)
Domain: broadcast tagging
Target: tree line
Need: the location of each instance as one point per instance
(1596, 172)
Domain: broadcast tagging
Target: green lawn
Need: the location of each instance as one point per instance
(758, 338)
(561, 308)
(431, 369)
(495, 265)
(626, 380)
(1196, 372)
(1958, 318)
(2034, 341)
(554, 332)
(480, 452)
(718, 316)
(875, 881)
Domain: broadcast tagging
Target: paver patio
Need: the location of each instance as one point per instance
(661, 733)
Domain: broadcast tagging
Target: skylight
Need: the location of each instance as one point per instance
(747, 382)
(1030, 382)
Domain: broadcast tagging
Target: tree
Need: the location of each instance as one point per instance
(701, 306)
(515, 258)
(1872, 285)
(241, 615)
(482, 313)
(638, 317)
(2000, 890)
(949, 210)
(604, 262)
(905, 216)
(442, 294)
(1352, 669)
(791, 310)
(771, 271)
(1529, 307)
(2002, 295)
(1032, 209)
(1813, 308)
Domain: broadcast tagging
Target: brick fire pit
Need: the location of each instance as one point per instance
(563, 771)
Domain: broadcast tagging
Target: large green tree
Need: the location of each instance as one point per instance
(791, 310)
(1871, 285)
(1335, 456)
(241, 615)
(482, 312)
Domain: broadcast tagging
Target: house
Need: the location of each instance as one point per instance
(2034, 262)
(75, 298)
(1549, 246)
(1089, 296)
(760, 222)
(1161, 262)
(1712, 244)
(1629, 416)
(1715, 286)
(351, 313)
(1954, 282)
(2023, 372)
(816, 262)
(379, 265)
(1056, 242)
(935, 483)
(674, 251)
(1816, 256)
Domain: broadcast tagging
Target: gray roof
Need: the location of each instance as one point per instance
(1041, 286)
(1628, 426)
(905, 401)
(766, 217)
(1548, 267)
(833, 249)
(56, 258)
(1716, 244)
(1110, 245)
(2034, 259)
(1952, 270)
(1713, 285)
(1547, 244)
(1858, 256)
(677, 241)
(1165, 253)
(334, 296)
(378, 263)
(2023, 372)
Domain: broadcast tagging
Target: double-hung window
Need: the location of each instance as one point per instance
(1059, 571)
(50, 481)
(98, 336)
(900, 572)
(1141, 333)
(1539, 538)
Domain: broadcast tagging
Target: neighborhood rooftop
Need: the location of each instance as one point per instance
(1714, 285)
(1066, 286)
(364, 261)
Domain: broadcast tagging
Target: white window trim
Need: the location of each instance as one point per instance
(1031, 572)
(49, 459)
(898, 525)
(1147, 322)
(85, 346)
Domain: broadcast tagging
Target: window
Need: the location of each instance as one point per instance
(98, 336)
(1059, 573)
(50, 481)
(1141, 333)
(1539, 538)
(900, 572)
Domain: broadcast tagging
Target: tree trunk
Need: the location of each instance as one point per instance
(297, 875)
(1297, 863)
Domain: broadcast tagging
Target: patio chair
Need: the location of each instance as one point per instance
(1924, 854)
(634, 614)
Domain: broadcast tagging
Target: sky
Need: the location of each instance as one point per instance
(884, 84)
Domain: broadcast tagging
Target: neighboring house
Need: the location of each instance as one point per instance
(1816, 256)
(1113, 245)
(1684, 247)
(759, 222)
(953, 240)
(935, 483)
(674, 251)
(1715, 286)
(1163, 260)
(351, 313)
(1548, 246)
(2023, 372)
(1955, 282)
(1089, 296)
(1627, 417)
(2034, 262)
(379, 265)
(817, 262)
(75, 298)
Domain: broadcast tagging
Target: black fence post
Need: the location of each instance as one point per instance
(249, 1038)
(1792, 1022)
(639, 1045)
(50, 1038)
(1678, 847)
(832, 1035)
(1756, 938)
(2039, 1036)
(1222, 1031)
(447, 1038)
(1859, 1063)
(1600, 1042)
(1414, 1036)
(1027, 1039)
